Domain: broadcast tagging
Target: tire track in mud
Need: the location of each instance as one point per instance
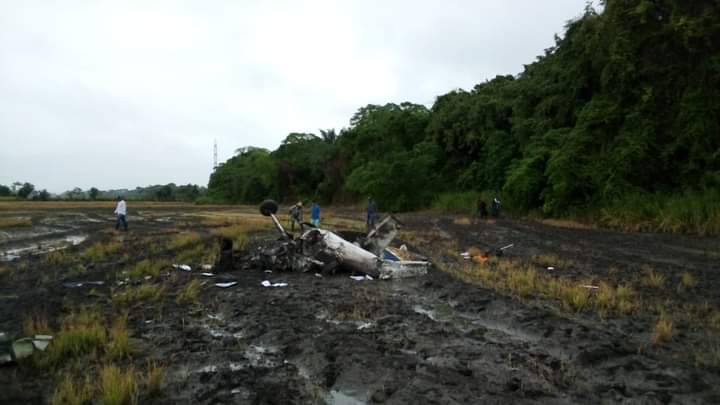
(435, 340)
(424, 340)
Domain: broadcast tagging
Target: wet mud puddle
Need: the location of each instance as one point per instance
(41, 247)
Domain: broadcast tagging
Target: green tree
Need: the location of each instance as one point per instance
(25, 190)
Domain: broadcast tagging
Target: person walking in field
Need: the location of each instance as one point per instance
(121, 212)
(296, 216)
(482, 212)
(315, 214)
(371, 213)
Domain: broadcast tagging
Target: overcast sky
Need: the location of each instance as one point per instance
(118, 94)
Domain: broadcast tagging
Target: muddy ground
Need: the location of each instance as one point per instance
(437, 339)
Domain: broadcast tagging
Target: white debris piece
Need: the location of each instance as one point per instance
(183, 267)
(207, 274)
(206, 266)
(226, 285)
(266, 283)
(403, 269)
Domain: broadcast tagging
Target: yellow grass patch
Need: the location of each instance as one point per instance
(547, 260)
(100, 251)
(688, 281)
(184, 240)
(190, 294)
(148, 267)
(143, 292)
(10, 222)
(652, 278)
(36, 325)
(663, 331)
(80, 333)
(118, 387)
(153, 379)
(119, 346)
(566, 223)
(73, 392)
(461, 221)
(522, 280)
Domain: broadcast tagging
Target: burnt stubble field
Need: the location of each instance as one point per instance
(568, 315)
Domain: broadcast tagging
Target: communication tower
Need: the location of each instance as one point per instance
(215, 154)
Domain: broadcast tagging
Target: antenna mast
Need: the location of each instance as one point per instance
(215, 154)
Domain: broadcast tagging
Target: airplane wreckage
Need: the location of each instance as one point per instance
(323, 251)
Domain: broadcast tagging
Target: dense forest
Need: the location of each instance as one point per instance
(619, 119)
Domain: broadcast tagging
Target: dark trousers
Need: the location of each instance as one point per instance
(121, 220)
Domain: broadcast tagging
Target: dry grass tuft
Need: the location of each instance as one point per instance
(663, 331)
(11, 222)
(652, 278)
(153, 379)
(211, 254)
(148, 267)
(36, 325)
(57, 258)
(552, 260)
(625, 301)
(100, 251)
(190, 294)
(688, 281)
(119, 346)
(193, 255)
(143, 292)
(239, 232)
(118, 387)
(72, 392)
(522, 280)
(566, 223)
(575, 297)
(184, 240)
(333, 222)
(79, 334)
(461, 221)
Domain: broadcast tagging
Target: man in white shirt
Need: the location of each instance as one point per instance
(121, 211)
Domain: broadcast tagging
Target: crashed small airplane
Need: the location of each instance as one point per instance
(326, 252)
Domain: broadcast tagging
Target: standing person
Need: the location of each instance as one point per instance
(495, 208)
(481, 212)
(296, 216)
(120, 212)
(315, 214)
(371, 213)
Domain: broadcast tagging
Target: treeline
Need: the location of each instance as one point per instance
(167, 192)
(620, 118)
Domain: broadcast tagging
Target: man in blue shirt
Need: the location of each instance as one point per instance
(371, 213)
(315, 214)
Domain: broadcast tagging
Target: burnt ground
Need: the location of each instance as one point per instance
(439, 339)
